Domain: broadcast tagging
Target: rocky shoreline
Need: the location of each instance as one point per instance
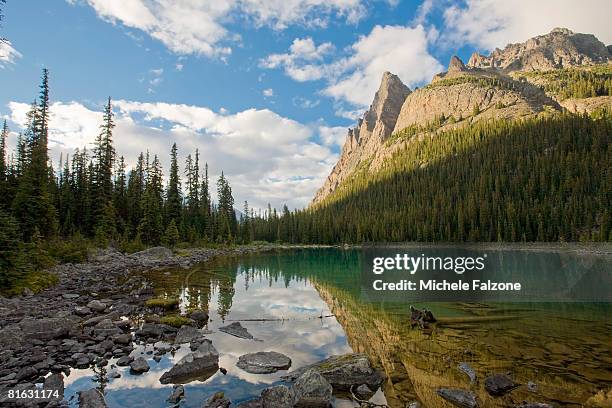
(89, 320)
(83, 320)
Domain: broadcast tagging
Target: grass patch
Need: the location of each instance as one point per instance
(35, 281)
(175, 320)
(164, 303)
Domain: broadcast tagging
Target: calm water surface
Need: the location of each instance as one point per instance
(310, 301)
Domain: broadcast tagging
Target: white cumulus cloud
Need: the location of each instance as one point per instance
(8, 54)
(354, 78)
(267, 157)
(199, 27)
(495, 23)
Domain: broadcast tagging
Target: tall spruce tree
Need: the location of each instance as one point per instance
(33, 203)
(174, 200)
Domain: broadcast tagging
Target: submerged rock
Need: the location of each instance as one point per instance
(458, 397)
(237, 330)
(92, 398)
(177, 394)
(201, 365)
(499, 384)
(312, 390)
(344, 372)
(468, 370)
(263, 362)
(421, 318)
(217, 401)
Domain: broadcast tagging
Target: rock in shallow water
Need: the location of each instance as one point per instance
(279, 396)
(263, 362)
(468, 370)
(312, 390)
(177, 394)
(344, 372)
(237, 330)
(92, 398)
(217, 401)
(458, 397)
(200, 365)
(139, 366)
(187, 334)
(499, 384)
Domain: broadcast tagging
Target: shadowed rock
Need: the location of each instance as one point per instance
(499, 384)
(312, 390)
(139, 366)
(344, 371)
(200, 365)
(217, 401)
(237, 330)
(187, 334)
(177, 394)
(92, 398)
(263, 362)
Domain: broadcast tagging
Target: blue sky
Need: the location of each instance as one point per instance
(265, 89)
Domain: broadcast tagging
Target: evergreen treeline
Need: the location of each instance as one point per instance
(90, 196)
(540, 179)
(576, 82)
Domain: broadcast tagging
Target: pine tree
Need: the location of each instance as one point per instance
(174, 200)
(33, 204)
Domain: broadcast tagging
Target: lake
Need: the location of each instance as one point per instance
(308, 304)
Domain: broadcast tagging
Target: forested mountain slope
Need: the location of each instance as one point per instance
(496, 150)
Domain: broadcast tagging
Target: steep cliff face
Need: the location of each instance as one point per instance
(371, 132)
(561, 48)
(471, 93)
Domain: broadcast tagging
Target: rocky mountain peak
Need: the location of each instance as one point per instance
(561, 48)
(371, 131)
(456, 65)
(387, 102)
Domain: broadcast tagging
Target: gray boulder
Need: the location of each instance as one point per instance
(55, 382)
(279, 396)
(106, 328)
(263, 362)
(187, 334)
(97, 306)
(201, 364)
(139, 366)
(344, 372)
(237, 330)
(312, 390)
(92, 398)
(499, 384)
(458, 397)
(124, 361)
(154, 254)
(46, 329)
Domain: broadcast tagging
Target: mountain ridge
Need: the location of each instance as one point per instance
(485, 88)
